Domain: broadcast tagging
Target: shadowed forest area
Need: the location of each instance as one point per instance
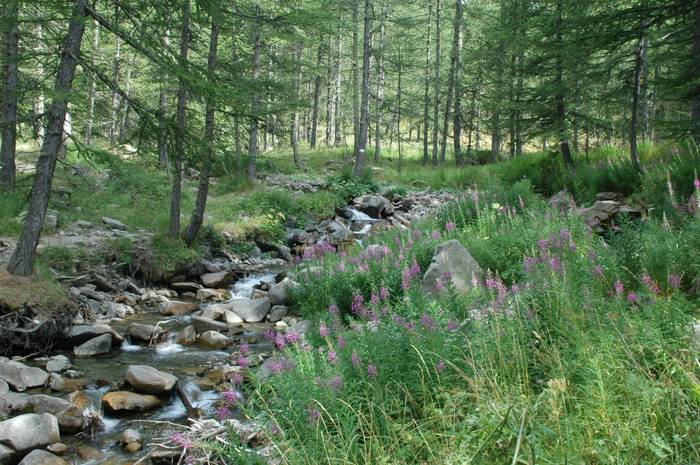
(344, 231)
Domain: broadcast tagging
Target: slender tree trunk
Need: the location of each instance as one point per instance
(317, 96)
(398, 112)
(124, 119)
(38, 106)
(8, 111)
(238, 145)
(174, 227)
(116, 98)
(356, 76)
(426, 94)
(644, 97)
(451, 80)
(295, 119)
(518, 106)
(560, 102)
(92, 88)
(380, 89)
(208, 152)
(253, 140)
(436, 83)
(695, 103)
(654, 106)
(163, 159)
(330, 87)
(456, 77)
(495, 135)
(477, 129)
(636, 89)
(22, 260)
(336, 93)
(361, 155)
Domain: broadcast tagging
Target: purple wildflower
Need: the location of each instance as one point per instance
(440, 366)
(179, 439)
(232, 397)
(341, 342)
(619, 287)
(237, 378)
(632, 298)
(674, 281)
(598, 270)
(436, 235)
(427, 322)
(332, 356)
(452, 326)
(336, 383)
(291, 337)
(384, 293)
(223, 413)
(244, 349)
(323, 329)
(355, 359)
(314, 416)
(243, 362)
(280, 342)
(372, 371)
(450, 226)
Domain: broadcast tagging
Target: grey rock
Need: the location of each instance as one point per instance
(209, 294)
(149, 380)
(251, 310)
(114, 224)
(176, 308)
(58, 363)
(123, 401)
(146, 333)
(186, 287)
(42, 457)
(4, 387)
(116, 310)
(375, 206)
(452, 265)
(203, 324)
(76, 335)
(280, 293)
(96, 346)
(187, 336)
(69, 416)
(219, 279)
(21, 377)
(29, 431)
(131, 435)
(214, 340)
(277, 312)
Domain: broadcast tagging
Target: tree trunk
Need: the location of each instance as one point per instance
(636, 88)
(22, 260)
(336, 94)
(695, 103)
(163, 160)
(317, 95)
(253, 139)
(456, 78)
(559, 97)
(426, 94)
(208, 153)
(295, 119)
(380, 89)
(92, 88)
(330, 87)
(116, 99)
(451, 80)
(174, 227)
(436, 83)
(361, 155)
(355, 76)
(8, 111)
(38, 106)
(124, 117)
(398, 113)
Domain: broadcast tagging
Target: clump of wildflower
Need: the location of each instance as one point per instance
(436, 235)
(237, 378)
(332, 356)
(280, 341)
(674, 281)
(427, 322)
(449, 226)
(292, 337)
(384, 293)
(619, 288)
(314, 416)
(180, 440)
(452, 326)
(243, 362)
(632, 298)
(323, 329)
(336, 383)
(355, 359)
(650, 284)
(223, 413)
(372, 370)
(441, 366)
(244, 349)
(333, 309)
(341, 342)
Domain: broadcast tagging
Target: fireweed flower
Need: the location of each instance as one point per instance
(372, 371)
(427, 322)
(244, 349)
(650, 284)
(598, 270)
(632, 298)
(452, 326)
(181, 440)
(384, 293)
(243, 362)
(619, 287)
(440, 366)
(323, 329)
(450, 226)
(436, 235)
(223, 413)
(332, 356)
(674, 281)
(341, 342)
(336, 383)
(280, 342)
(270, 335)
(374, 299)
(237, 378)
(314, 416)
(355, 359)
(232, 397)
(277, 366)
(291, 337)
(333, 309)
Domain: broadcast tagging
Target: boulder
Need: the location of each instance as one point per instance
(281, 292)
(89, 453)
(562, 201)
(232, 319)
(375, 206)
(114, 224)
(602, 213)
(21, 377)
(251, 310)
(123, 401)
(76, 335)
(452, 265)
(57, 448)
(6, 454)
(58, 363)
(116, 310)
(214, 340)
(203, 324)
(96, 346)
(149, 380)
(41, 457)
(219, 279)
(145, 333)
(69, 416)
(210, 294)
(176, 308)
(29, 431)
(187, 336)
(186, 287)
(215, 311)
(4, 387)
(277, 313)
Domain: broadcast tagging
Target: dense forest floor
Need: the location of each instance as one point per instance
(572, 343)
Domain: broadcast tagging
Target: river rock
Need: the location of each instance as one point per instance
(176, 308)
(452, 265)
(20, 376)
(277, 313)
(186, 287)
(375, 206)
(215, 311)
(281, 292)
(232, 319)
(116, 310)
(203, 324)
(145, 333)
(214, 340)
(69, 416)
(29, 431)
(210, 294)
(89, 453)
(132, 440)
(4, 387)
(41, 457)
(219, 279)
(123, 401)
(58, 364)
(79, 334)
(96, 346)
(57, 448)
(251, 310)
(187, 336)
(150, 380)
